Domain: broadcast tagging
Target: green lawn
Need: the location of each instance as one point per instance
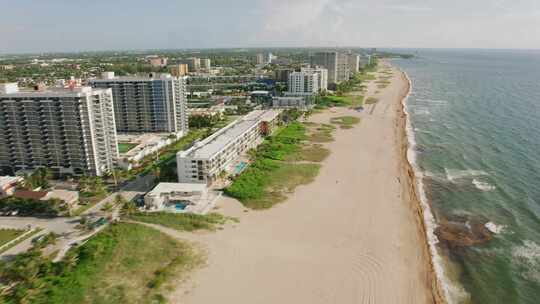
(7, 235)
(181, 221)
(274, 173)
(125, 263)
(167, 154)
(125, 147)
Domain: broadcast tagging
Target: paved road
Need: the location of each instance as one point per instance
(66, 227)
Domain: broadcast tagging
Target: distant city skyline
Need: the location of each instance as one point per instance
(60, 25)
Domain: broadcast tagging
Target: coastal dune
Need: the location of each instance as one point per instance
(354, 235)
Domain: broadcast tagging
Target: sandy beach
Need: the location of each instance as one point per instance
(354, 235)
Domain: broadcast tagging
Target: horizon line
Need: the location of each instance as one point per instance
(257, 48)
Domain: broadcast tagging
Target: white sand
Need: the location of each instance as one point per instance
(352, 236)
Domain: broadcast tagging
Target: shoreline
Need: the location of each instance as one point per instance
(344, 238)
(423, 210)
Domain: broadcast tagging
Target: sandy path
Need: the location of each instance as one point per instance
(349, 237)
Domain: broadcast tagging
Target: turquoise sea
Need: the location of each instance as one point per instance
(475, 115)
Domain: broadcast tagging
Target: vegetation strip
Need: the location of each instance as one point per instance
(182, 221)
(21, 238)
(275, 170)
(125, 263)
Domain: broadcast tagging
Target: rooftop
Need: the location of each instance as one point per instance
(110, 77)
(53, 92)
(28, 194)
(6, 180)
(219, 140)
(177, 187)
(65, 195)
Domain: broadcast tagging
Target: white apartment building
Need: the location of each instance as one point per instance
(206, 160)
(259, 59)
(323, 76)
(152, 104)
(303, 83)
(337, 64)
(194, 63)
(343, 68)
(206, 64)
(70, 131)
(353, 62)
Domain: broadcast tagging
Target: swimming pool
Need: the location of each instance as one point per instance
(240, 167)
(178, 205)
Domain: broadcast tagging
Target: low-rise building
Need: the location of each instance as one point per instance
(212, 111)
(8, 184)
(158, 62)
(289, 102)
(144, 144)
(176, 196)
(260, 97)
(207, 160)
(69, 197)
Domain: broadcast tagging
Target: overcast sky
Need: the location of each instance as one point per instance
(75, 25)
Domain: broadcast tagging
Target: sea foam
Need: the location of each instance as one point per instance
(497, 229)
(453, 174)
(484, 186)
(528, 256)
(453, 293)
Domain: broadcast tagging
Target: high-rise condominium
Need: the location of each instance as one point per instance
(70, 131)
(179, 70)
(335, 62)
(193, 63)
(206, 63)
(353, 62)
(323, 76)
(303, 83)
(156, 103)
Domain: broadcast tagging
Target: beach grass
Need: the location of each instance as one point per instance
(310, 153)
(321, 134)
(182, 221)
(125, 263)
(345, 122)
(264, 190)
(275, 172)
(371, 100)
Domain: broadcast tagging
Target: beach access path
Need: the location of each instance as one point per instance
(351, 236)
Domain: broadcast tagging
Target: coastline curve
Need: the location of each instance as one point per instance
(440, 286)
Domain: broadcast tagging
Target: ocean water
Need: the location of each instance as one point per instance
(475, 115)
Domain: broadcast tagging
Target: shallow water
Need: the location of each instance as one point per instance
(476, 120)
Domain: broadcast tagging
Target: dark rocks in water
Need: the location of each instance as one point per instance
(459, 234)
(420, 149)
